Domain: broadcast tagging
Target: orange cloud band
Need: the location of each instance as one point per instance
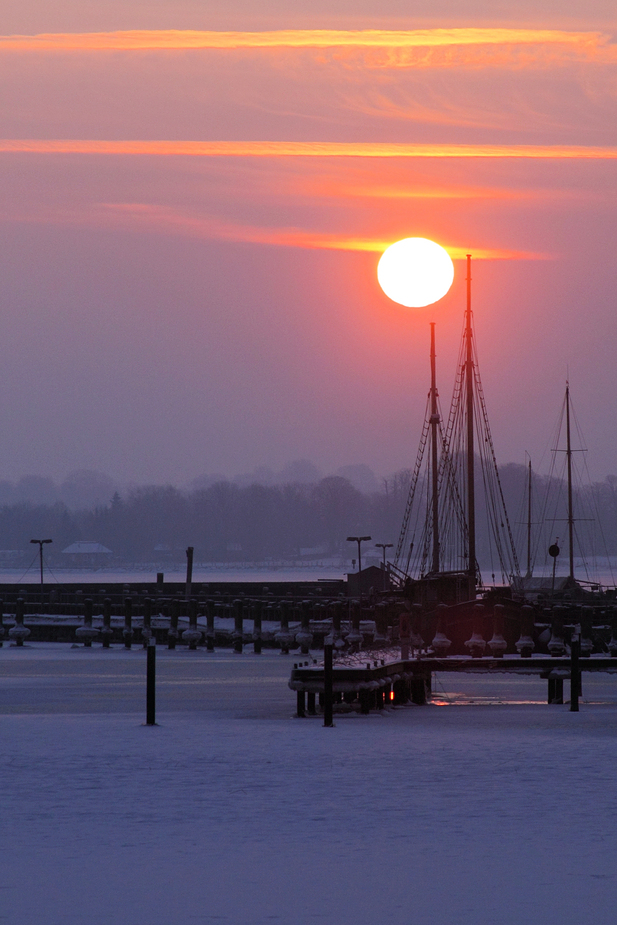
(156, 218)
(176, 39)
(275, 149)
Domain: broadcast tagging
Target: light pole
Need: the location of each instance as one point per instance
(359, 540)
(383, 547)
(41, 543)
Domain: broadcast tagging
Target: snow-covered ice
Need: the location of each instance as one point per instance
(232, 811)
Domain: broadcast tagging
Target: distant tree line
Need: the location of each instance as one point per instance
(227, 521)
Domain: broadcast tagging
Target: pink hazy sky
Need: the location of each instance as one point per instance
(171, 309)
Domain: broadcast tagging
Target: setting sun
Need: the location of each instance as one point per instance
(415, 272)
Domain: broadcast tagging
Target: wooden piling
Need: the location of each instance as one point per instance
(127, 632)
(151, 682)
(327, 690)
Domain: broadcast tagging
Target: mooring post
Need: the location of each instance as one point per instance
(575, 673)
(151, 682)
(146, 630)
(300, 711)
(19, 632)
(87, 632)
(172, 632)
(106, 631)
(210, 625)
(238, 633)
(311, 708)
(127, 632)
(327, 682)
(257, 624)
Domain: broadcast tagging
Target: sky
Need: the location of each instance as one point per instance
(194, 197)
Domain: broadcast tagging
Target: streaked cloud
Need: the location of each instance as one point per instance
(410, 48)
(274, 149)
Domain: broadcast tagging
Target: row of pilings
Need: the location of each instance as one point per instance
(287, 623)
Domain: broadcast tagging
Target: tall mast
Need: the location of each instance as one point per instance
(434, 421)
(570, 507)
(469, 381)
(529, 523)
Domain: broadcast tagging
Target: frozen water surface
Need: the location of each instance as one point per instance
(231, 811)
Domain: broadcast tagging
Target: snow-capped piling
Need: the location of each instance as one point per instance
(210, 605)
(284, 638)
(257, 611)
(106, 630)
(151, 682)
(19, 632)
(327, 683)
(441, 643)
(238, 633)
(525, 644)
(172, 632)
(192, 635)
(575, 674)
(146, 630)
(556, 645)
(497, 644)
(87, 632)
(304, 638)
(127, 630)
(476, 643)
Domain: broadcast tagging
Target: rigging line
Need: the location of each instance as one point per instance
(36, 555)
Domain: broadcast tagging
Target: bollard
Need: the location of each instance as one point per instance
(304, 638)
(172, 632)
(87, 632)
(498, 644)
(257, 624)
(19, 632)
(127, 631)
(284, 638)
(441, 643)
(575, 674)
(238, 633)
(476, 643)
(300, 704)
(106, 631)
(556, 644)
(192, 635)
(327, 683)
(525, 644)
(146, 630)
(354, 638)
(151, 682)
(210, 605)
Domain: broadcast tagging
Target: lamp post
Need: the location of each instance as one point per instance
(383, 547)
(41, 544)
(359, 540)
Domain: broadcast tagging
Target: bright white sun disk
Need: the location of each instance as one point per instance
(415, 272)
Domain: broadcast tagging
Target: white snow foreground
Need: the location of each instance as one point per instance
(231, 811)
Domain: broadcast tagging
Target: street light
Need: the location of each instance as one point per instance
(41, 543)
(384, 546)
(358, 540)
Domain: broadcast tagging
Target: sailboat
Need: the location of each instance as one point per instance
(436, 555)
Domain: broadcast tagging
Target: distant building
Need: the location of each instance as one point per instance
(86, 553)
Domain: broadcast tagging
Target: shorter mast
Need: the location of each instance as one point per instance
(471, 488)
(529, 523)
(570, 504)
(434, 422)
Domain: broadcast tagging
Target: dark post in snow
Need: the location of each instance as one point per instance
(146, 631)
(257, 625)
(127, 631)
(19, 632)
(151, 682)
(189, 572)
(2, 630)
(327, 682)
(210, 625)
(106, 631)
(160, 578)
(172, 632)
(87, 632)
(192, 635)
(238, 633)
(575, 673)
(284, 637)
